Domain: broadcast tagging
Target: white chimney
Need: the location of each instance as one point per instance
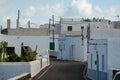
(8, 23)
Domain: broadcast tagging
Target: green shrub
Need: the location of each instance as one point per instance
(29, 55)
(3, 51)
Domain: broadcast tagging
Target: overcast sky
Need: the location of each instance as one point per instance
(39, 11)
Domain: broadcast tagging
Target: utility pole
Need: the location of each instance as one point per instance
(52, 44)
(88, 37)
(82, 27)
(18, 14)
(49, 25)
(97, 63)
(53, 26)
(53, 20)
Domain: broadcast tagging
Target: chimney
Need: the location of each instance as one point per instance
(8, 23)
(28, 24)
(17, 24)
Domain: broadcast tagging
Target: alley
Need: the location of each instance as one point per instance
(63, 70)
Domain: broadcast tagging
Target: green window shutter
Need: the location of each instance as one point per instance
(69, 28)
(52, 46)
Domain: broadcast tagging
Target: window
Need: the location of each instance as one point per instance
(69, 28)
(10, 50)
(52, 46)
(91, 60)
(103, 62)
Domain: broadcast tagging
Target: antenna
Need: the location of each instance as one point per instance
(117, 17)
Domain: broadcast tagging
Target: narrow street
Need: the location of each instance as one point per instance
(63, 70)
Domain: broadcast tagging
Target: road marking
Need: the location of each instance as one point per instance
(44, 72)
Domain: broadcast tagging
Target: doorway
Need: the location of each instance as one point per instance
(72, 52)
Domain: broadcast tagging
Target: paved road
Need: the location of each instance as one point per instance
(62, 70)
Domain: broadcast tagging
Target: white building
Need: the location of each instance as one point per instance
(31, 37)
(73, 36)
(71, 47)
(103, 57)
(32, 41)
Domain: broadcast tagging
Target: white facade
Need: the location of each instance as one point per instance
(103, 33)
(113, 56)
(97, 47)
(15, 41)
(76, 25)
(108, 52)
(104, 46)
(10, 70)
(71, 48)
(70, 45)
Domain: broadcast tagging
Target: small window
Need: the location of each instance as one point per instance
(69, 28)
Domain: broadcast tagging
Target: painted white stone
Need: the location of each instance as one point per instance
(12, 69)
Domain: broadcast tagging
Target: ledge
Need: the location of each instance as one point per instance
(24, 76)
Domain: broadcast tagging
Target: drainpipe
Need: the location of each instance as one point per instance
(82, 27)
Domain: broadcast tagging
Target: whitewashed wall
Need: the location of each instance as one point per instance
(79, 52)
(9, 70)
(104, 33)
(101, 47)
(76, 25)
(114, 53)
(111, 53)
(41, 41)
(100, 24)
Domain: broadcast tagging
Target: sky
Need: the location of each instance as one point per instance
(39, 11)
